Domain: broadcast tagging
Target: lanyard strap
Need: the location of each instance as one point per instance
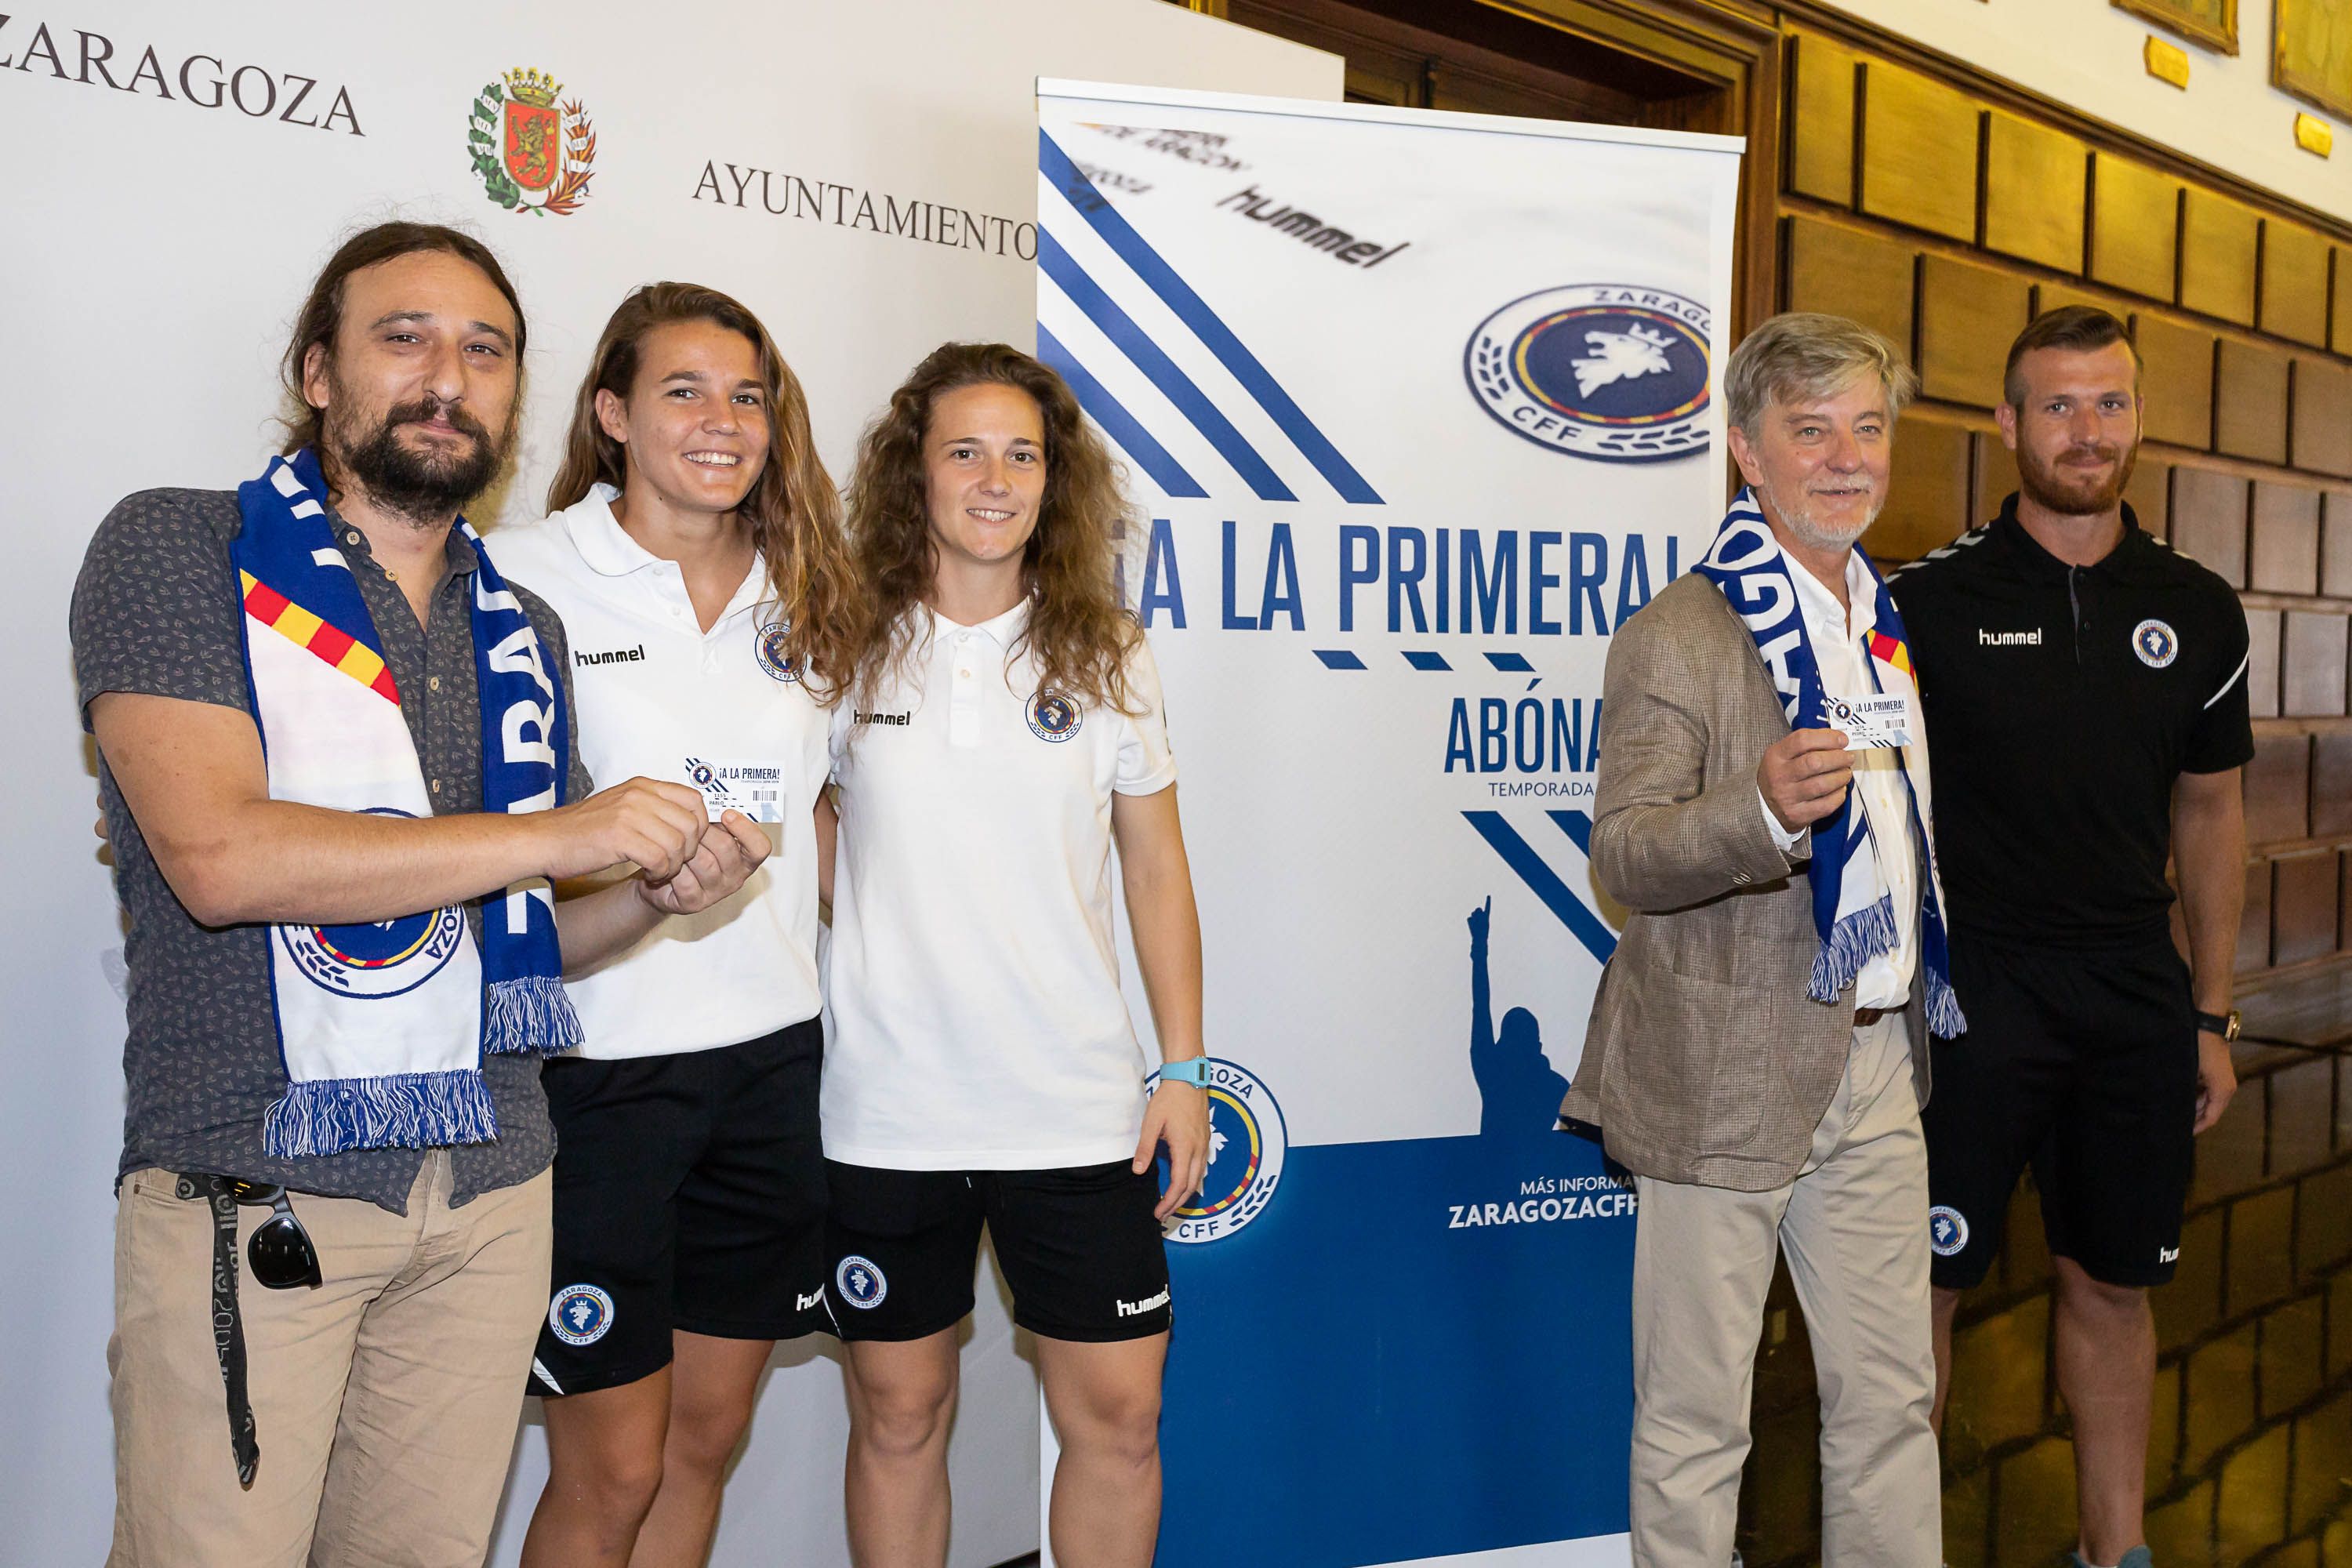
(228, 1329)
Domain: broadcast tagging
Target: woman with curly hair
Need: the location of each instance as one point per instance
(1004, 731)
(696, 552)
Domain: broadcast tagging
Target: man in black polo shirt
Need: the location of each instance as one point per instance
(297, 1032)
(2086, 687)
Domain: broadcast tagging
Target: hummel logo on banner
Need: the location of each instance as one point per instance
(1148, 1304)
(2009, 639)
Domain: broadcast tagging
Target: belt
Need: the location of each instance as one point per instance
(1863, 1017)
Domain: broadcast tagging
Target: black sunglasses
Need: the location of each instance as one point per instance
(281, 1250)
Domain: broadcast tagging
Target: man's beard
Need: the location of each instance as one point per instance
(2047, 484)
(1814, 535)
(428, 486)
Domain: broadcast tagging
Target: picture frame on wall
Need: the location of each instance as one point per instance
(2310, 53)
(2212, 24)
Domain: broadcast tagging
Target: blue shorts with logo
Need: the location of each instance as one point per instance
(1079, 1247)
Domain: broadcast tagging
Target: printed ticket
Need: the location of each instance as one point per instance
(1870, 722)
(755, 789)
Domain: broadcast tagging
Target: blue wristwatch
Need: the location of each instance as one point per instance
(1194, 1070)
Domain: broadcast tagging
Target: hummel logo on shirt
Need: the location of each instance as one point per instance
(2168, 1254)
(611, 656)
(2009, 639)
(906, 718)
(813, 1298)
(1148, 1304)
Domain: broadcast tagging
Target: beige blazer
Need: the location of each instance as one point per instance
(1705, 1061)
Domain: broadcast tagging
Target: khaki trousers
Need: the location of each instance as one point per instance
(385, 1402)
(1854, 1223)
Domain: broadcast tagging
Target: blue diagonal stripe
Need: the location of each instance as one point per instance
(1107, 221)
(1338, 658)
(1173, 383)
(1515, 663)
(1597, 937)
(1122, 427)
(1576, 825)
(1431, 660)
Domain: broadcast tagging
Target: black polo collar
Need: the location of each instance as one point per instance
(2136, 559)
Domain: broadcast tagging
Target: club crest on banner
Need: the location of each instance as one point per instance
(1246, 1143)
(531, 154)
(1608, 371)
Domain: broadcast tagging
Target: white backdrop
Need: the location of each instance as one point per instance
(177, 175)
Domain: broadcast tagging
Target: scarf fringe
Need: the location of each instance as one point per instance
(1853, 941)
(528, 1016)
(1945, 1020)
(397, 1111)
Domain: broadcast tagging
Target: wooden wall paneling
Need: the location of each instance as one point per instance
(2254, 924)
(2339, 294)
(2335, 544)
(2209, 519)
(1917, 161)
(1819, 119)
(2344, 907)
(2331, 784)
(2321, 436)
(2176, 379)
(2294, 282)
(2036, 179)
(2250, 401)
(1996, 477)
(2147, 493)
(1928, 501)
(1968, 317)
(2302, 907)
(2278, 790)
(2048, 296)
(1851, 272)
(2263, 637)
(2311, 665)
(2221, 241)
(2282, 549)
(2135, 227)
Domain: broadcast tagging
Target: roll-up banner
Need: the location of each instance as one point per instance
(1417, 409)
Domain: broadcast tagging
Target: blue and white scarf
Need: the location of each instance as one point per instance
(1853, 914)
(381, 1026)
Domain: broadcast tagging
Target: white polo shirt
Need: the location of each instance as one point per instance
(657, 696)
(977, 1021)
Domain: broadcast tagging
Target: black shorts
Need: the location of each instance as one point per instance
(689, 1194)
(2083, 1065)
(1079, 1247)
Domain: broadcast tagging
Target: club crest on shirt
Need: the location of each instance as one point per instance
(580, 1314)
(1948, 1231)
(768, 641)
(2156, 644)
(1054, 717)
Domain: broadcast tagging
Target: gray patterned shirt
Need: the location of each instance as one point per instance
(156, 611)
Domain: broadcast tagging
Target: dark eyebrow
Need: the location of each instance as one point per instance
(390, 317)
(681, 376)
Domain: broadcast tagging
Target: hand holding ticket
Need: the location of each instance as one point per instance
(1870, 722)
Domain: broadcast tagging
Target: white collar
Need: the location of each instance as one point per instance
(1821, 606)
(609, 551)
(1002, 630)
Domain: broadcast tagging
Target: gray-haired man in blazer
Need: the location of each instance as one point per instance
(1758, 1051)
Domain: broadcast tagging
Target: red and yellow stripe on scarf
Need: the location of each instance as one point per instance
(305, 630)
(1893, 651)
